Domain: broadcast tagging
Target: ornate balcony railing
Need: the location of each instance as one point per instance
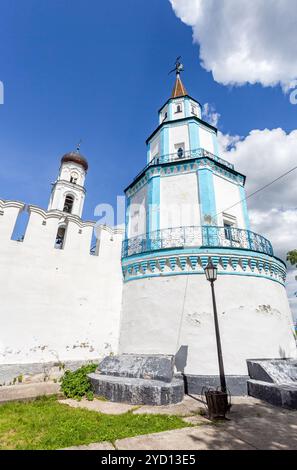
(186, 155)
(206, 236)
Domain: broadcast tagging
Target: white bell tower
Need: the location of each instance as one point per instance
(68, 191)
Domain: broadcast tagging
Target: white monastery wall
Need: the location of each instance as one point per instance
(254, 315)
(57, 304)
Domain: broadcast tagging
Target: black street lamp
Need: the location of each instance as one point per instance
(211, 273)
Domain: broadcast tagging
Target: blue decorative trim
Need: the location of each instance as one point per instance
(194, 138)
(206, 196)
(155, 208)
(188, 263)
(207, 252)
(244, 207)
(164, 140)
(153, 204)
(190, 273)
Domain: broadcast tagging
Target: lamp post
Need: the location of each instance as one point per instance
(211, 273)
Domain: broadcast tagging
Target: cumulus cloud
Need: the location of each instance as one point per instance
(209, 114)
(263, 156)
(244, 41)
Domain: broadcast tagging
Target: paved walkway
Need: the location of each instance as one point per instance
(25, 392)
(253, 425)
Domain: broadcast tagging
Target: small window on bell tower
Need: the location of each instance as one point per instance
(73, 178)
(68, 204)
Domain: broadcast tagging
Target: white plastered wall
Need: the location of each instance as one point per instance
(178, 135)
(179, 203)
(57, 305)
(226, 195)
(206, 139)
(137, 213)
(254, 316)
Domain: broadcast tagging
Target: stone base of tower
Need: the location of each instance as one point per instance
(171, 313)
(237, 385)
(138, 379)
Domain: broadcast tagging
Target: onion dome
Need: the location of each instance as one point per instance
(77, 158)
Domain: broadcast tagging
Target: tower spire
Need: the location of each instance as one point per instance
(178, 89)
(78, 146)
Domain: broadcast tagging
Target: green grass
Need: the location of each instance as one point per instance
(46, 424)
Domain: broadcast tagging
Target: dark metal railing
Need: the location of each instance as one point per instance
(206, 236)
(186, 155)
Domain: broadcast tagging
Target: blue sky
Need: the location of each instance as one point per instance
(98, 71)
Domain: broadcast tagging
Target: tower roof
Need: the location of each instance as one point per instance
(77, 158)
(178, 89)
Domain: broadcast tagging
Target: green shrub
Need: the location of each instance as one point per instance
(76, 384)
(90, 396)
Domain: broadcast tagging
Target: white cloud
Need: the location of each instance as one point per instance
(210, 115)
(244, 41)
(263, 156)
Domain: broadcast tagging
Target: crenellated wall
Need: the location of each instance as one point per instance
(57, 304)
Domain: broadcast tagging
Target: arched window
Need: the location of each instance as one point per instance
(73, 177)
(178, 108)
(68, 204)
(60, 238)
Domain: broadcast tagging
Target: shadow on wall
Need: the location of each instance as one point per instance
(181, 362)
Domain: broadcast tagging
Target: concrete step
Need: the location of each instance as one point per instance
(283, 395)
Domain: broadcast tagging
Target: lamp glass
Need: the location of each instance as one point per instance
(211, 272)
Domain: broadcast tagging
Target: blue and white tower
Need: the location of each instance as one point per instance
(182, 211)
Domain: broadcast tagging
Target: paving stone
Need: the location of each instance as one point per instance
(105, 407)
(198, 438)
(279, 433)
(28, 391)
(253, 425)
(196, 420)
(189, 406)
(94, 446)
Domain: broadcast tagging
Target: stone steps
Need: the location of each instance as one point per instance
(138, 379)
(137, 391)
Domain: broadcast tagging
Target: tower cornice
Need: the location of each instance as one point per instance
(178, 98)
(186, 163)
(185, 119)
(69, 185)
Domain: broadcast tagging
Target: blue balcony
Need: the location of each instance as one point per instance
(206, 236)
(186, 155)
